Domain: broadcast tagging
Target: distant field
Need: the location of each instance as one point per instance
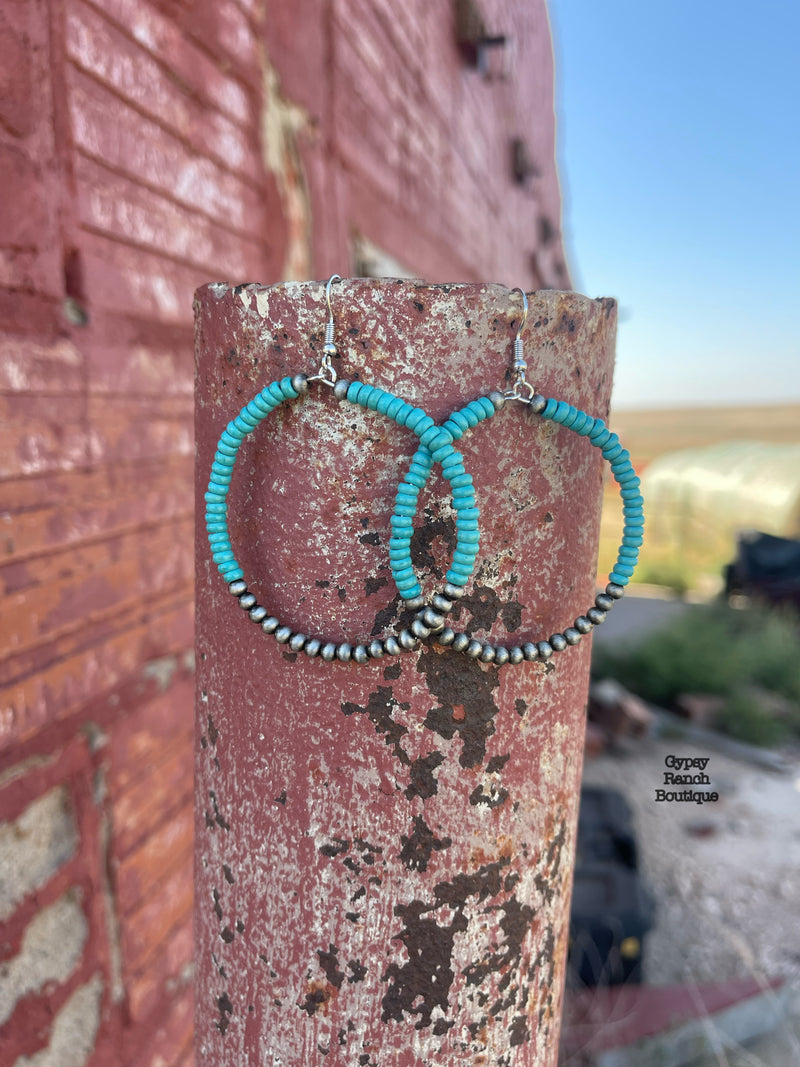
(650, 434)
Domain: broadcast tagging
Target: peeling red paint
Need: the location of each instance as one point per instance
(408, 891)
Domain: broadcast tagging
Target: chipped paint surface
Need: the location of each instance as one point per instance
(384, 852)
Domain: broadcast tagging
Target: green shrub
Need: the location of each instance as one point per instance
(720, 650)
(744, 718)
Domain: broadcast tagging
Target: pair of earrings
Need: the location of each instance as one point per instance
(435, 447)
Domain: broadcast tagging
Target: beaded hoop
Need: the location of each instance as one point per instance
(430, 621)
(439, 449)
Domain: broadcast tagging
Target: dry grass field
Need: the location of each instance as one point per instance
(650, 434)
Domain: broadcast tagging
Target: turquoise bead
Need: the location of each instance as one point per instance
(464, 504)
(231, 573)
(618, 579)
(409, 510)
(384, 402)
(475, 408)
(549, 408)
(468, 537)
(460, 480)
(441, 454)
(431, 435)
(460, 421)
(623, 568)
(353, 391)
(396, 405)
(629, 553)
(633, 542)
(286, 387)
(470, 513)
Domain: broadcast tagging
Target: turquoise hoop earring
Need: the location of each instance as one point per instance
(430, 621)
(439, 449)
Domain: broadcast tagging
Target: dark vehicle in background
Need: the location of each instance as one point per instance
(611, 908)
(766, 568)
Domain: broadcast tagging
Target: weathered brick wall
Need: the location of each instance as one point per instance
(146, 148)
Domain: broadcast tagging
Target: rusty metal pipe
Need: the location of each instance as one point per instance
(384, 851)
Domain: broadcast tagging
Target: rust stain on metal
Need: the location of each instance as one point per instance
(387, 849)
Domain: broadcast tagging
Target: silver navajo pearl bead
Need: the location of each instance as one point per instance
(604, 602)
(300, 383)
(582, 625)
(497, 399)
(572, 635)
(270, 625)
(501, 655)
(238, 587)
(340, 389)
(328, 652)
(460, 642)
(414, 603)
(487, 654)
(538, 403)
(595, 616)
(432, 619)
(545, 649)
(419, 629)
(474, 648)
(247, 601)
(558, 642)
(375, 649)
(312, 647)
(283, 634)
(446, 637)
(407, 640)
(258, 613)
(441, 603)
(530, 651)
(296, 642)
(615, 591)
(391, 646)
(360, 654)
(515, 655)
(344, 652)
(455, 592)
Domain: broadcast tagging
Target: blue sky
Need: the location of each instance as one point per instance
(679, 155)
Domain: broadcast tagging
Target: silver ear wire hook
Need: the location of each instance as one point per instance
(521, 389)
(327, 372)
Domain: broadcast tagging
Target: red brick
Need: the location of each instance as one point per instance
(146, 930)
(166, 849)
(148, 990)
(158, 792)
(107, 129)
(119, 208)
(98, 48)
(163, 39)
(66, 508)
(55, 681)
(140, 744)
(94, 582)
(23, 210)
